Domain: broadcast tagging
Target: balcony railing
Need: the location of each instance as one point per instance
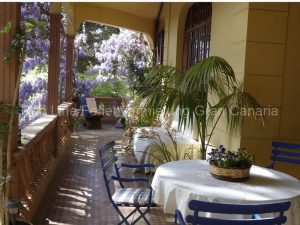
(43, 143)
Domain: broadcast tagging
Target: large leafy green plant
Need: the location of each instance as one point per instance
(203, 93)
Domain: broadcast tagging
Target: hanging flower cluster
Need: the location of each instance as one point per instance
(32, 97)
(33, 88)
(119, 56)
(37, 47)
(114, 54)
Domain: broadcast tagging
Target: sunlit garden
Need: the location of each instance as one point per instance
(109, 62)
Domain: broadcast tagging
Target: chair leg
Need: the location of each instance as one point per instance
(142, 215)
(124, 219)
(127, 217)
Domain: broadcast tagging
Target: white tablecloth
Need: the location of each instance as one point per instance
(143, 150)
(178, 182)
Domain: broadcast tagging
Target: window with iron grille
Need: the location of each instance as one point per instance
(159, 48)
(197, 34)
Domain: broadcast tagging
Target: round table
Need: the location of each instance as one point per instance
(176, 183)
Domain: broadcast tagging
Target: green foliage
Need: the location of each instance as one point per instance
(31, 24)
(136, 76)
(90, 29)
(76, 122)
(108, 89)
(4, 180)
(6, 109)
(146, 118)
(140, 116)
(3, 130)
(223, 158)
(204, 93)
(18, 43)
(161, 153)
(6, 28)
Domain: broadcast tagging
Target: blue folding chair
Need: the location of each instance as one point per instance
(130, 197)
(285, 152)
(252, 209)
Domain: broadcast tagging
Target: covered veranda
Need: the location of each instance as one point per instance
(77, 194)
(56, 172)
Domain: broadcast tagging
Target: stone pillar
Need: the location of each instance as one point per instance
(70, 64)
(9, 12)
(54, 63)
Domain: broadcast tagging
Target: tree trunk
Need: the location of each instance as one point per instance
(10, 138)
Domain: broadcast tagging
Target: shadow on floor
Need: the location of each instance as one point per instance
(77, 194)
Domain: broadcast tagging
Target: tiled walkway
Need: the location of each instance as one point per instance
(77, 194)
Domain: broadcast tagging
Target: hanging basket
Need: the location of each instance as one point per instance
(230, 174)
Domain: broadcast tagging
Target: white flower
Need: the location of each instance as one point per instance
(119, 58)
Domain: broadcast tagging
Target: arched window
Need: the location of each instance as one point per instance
(197, 34)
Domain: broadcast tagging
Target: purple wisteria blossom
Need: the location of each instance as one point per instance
(33, 88)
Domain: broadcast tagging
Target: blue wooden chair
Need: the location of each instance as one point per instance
(253, 209)
(130, 197)
(285, 152)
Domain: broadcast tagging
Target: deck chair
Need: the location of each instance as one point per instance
(89, 109)
(285, 152)
(253, 210)
(130, 197)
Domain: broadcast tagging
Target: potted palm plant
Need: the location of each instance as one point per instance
(203, 93)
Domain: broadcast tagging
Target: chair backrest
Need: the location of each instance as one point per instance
(108, 163)
(92, 105)
(242, 209)
(84, 107)
(285, 152)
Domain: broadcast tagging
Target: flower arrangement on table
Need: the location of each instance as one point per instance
(230, 165)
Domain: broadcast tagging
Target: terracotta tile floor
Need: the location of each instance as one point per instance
(77, 194)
